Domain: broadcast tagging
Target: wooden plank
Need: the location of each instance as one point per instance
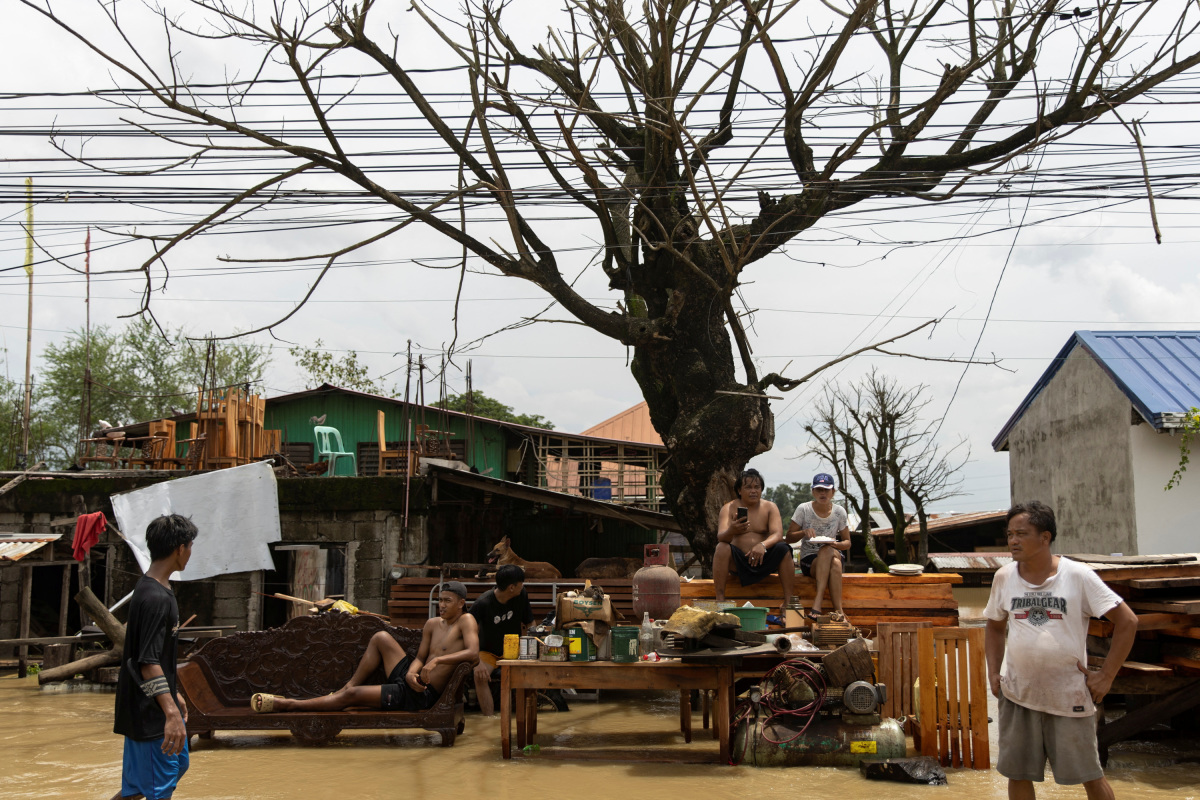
(25, 604)
(1185, 633)
(952, 727)
(1146, 622)
(1132, 667)
(1129, 573)
(1164, 583)
(1097, 558)
(1153, 683)
(1160, 710)
(980, 750)
(1181, 605)
(927, 659)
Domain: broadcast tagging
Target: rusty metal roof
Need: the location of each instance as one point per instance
(953, 521)
(960, 562)
(15, 546)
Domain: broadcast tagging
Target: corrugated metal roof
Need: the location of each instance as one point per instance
(955, 521)
(960, 562)
(15, 546)
(1159, 371)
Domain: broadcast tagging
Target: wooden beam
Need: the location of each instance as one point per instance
(64, 597)
(25, 603)
(1159, 711)
(1156, 683)
(1146, 622)
(1174, 606)
(18, 477)
(1164, 583)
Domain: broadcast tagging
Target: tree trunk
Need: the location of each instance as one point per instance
(709, 436)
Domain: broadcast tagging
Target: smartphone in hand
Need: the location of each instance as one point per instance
(743, 513)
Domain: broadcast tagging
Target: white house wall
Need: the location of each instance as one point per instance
(1167, 522)
(1070, 449)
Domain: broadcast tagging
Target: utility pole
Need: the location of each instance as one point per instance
(23, 459)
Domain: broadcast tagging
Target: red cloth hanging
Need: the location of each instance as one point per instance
(87, 532)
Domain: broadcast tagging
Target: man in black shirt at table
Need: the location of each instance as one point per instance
(498, 611)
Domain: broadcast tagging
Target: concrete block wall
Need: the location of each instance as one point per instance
(365, 515)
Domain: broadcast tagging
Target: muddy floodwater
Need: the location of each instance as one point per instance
(62, 746)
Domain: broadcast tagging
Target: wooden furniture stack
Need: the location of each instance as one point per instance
(231, 423)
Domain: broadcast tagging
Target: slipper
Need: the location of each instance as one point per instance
(815, 616)
(262, 703)
(837, 616)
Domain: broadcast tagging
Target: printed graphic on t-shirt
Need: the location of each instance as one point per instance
(1039, 607)
(502, 617)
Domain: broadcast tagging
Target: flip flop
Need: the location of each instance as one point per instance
(815, 616)
(262, 703)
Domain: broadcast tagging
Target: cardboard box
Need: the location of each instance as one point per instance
(580, 608)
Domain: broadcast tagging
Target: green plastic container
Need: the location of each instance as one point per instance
(754, 618)
(580, 644)
(625, 643)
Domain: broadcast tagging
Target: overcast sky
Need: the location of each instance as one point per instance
(1086, 262)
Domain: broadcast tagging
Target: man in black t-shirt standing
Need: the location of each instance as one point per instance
(498, 611)
(149, 713)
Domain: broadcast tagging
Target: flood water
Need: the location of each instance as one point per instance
(62, 746)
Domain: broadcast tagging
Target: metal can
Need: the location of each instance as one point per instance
(529, 648)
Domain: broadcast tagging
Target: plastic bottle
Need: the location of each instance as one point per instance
(646, 636)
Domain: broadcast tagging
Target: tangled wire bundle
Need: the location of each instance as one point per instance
(777, 704)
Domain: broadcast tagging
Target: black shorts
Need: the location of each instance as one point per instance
(807, 562)
(396, 695)
(750, 575)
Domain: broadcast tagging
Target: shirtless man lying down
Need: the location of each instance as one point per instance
(413, 684)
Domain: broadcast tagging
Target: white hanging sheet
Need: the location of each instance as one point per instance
(236, 511)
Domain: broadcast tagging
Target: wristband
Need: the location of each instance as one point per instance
(155, 686)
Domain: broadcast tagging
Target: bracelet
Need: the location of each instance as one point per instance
(155, 686)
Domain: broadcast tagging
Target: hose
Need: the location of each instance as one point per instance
(776, 702)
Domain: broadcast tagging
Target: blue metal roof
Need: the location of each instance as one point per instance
(1159, 371)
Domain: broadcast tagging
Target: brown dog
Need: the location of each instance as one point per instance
(607, 568)
(503, 554)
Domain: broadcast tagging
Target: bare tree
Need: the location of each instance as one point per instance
(872, 433)
(631, 113)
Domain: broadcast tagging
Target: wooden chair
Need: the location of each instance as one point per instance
(149, 452)
(898, 668)
(954, 688)
(399, 458)
(102, 450)
(192, 458)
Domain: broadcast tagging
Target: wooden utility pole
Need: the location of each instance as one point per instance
(23, 460)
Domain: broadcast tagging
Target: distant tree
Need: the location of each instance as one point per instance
(477, 403)
(321, 366)
(137, 374)
(788, 496)
(873, 434)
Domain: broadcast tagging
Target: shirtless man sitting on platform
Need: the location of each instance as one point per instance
(750, 540)
(413, 684)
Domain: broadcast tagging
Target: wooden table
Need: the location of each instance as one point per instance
(526, 677)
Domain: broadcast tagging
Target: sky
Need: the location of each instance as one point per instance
(1011, 278)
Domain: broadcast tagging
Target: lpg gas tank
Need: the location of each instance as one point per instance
(656, 585)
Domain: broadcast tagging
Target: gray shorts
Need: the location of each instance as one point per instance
(1028, 738)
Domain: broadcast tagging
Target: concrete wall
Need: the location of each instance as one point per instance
(364, 515)
(1167, 522)
(1071, 449)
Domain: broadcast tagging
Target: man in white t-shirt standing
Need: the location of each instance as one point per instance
(824, 536)
(1046, 692)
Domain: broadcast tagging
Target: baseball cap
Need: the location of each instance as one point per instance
(456, 587)
(822, 480)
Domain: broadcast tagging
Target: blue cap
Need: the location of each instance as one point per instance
(823, 480)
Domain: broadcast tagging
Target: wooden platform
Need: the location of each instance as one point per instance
(867, 598)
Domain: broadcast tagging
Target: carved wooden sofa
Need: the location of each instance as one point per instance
(308, 657)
